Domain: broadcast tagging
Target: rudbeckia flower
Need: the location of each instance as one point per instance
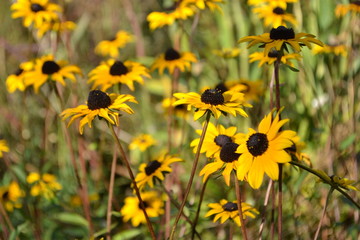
(252, 90)
(154, 205)
(261, 151)
(99, 104)
(343, 9)
(227, 52)
(112, 72)
(43, 185)
(35, 11)
(179, 110)
(225, 210)
(202, 4)
(215, 101)
(142, 142)
(173, 59)
(3, 147)
(274, 16)
(276, 3)
(46, 68)
(330, 49)
(111, 47)
(10, 196)
(296, 151)
(55, 26)
(16, 81)
(272, 56)
(334, 180)
(155, 169)
(280, 37)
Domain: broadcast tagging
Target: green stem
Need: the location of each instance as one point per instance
(198, 209)
(193, 170)
(239, 205)
(110, 196)
(323, 213)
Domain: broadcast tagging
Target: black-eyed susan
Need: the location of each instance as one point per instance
(11, 196)
(203, 4)
(227, 161)
(154, 206)
(227, 52)
(252, 90)
(179, 110)
(100, 104)
(75, 200)
(336, 49)
(46, 68)
(276, 3)
(57, 26)
(215, 138)
(172, 60)
(296, 151)
(279, 37)
(45, 185)
(3, 147)
(343, 9)
(262, 150)
(274, 16)
(111, 47)
(215, 101)
(142, 142)
(272, 56)
(16, 81)
(156, 168)
(225, 210)
(35, 11)
(334, 180)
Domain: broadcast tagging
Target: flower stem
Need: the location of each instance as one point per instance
(137, 191)
(238, 197)
(323, 213)
(263, 217)
(111, 191)
(193, 170)
(198, 209)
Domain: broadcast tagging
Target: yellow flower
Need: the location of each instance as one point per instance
(173, 59)
(55, 26)
(272, 56)
(296, 151)
(10, 196)
(112, 72)
(142, 142)
(179, 110)
(343, 9)
(43, 185)
(229, 210)
(280, 37)
(276, 3)
(215, 101)
(16, 81)
(262, 150)
(328, 49)
(252, 90)
(99, 104)
(111, 47)
(35, 11)
(227, 52)
(215, 138)
(155, 169)
(3, 147)
(46, 68)
(75, 201)
(274, 16)
(337, 181)
(154, 205)
(202, 4)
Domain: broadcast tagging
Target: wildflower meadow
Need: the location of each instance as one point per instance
(179, 119)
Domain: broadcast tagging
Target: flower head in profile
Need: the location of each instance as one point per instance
(275, 3)
(296, 151)
(112, 72)
(336, 181)
(225, 210)
(35, 11)
(155, 169)
(261, 151)
(279, 38)
(272, 56)
(3, 147)
(142, 142)
(99, 104)
(11, 195)
(252, 90)
(154, 204)
(336, 49)
(274, 16)
(227, 53)
(203, 4)
(111, 47)
(45, 185)
(172, 60)
(46, 68)
(179, 110)
(215, 101)
(342, 9)
(57, 26)
(16, 81)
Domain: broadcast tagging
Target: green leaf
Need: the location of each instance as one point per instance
(128, 234)
(348, 141)
(292, 68)
(72, 218)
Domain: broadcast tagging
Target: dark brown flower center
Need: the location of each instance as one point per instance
(171, 54)
(228, 154)
(257, 144)
(50, 67)
(181, 107)
(273, 54)
(19, 71)
(247, 87)
(292, 148)
(98, 99)
(146, 205)
(221, 87)
(230, 207)
(356, 2)
(118, 69)
(221, 140)
(278, 11)
(36, 7)
(151, 167)
(213, 97)
(282, 33)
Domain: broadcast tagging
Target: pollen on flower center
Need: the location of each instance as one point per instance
(118, 69)
(98, 99)
(221, 87)
(228, 154)
(50, 67)
(171, 54)
(36, 7)
(230, 207)
(221, 140)
(151, 167)
(213, 97)
(282, 33)
(278, 11)
(257, 144)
